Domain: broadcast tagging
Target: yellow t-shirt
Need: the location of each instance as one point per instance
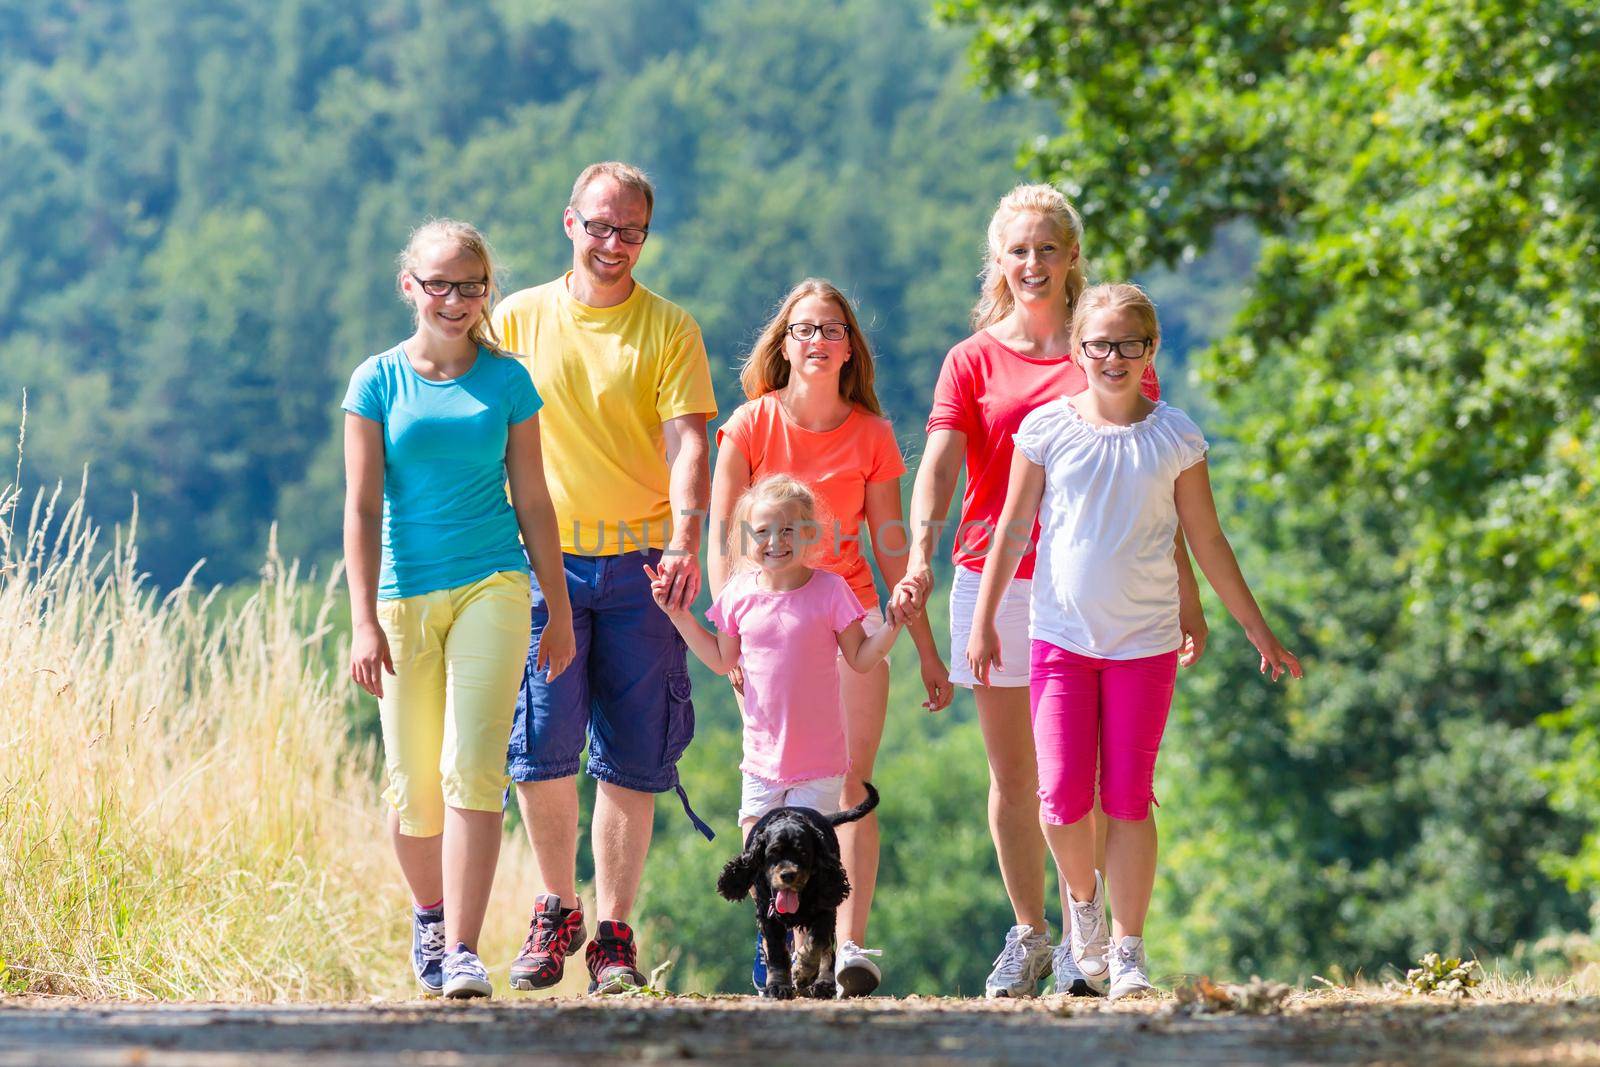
(609, 378)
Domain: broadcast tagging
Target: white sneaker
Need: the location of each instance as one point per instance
(853, 973)
(1091, 937)
(1130, 976)
(1072, 981)
(1021, 965)
(465, 975)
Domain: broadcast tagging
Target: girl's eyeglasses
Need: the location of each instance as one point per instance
(440, 287)
(1134, 348)
(805, 331)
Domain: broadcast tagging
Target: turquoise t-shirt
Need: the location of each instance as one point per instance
(446, 519)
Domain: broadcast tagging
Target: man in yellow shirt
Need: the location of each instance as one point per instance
(627, 392)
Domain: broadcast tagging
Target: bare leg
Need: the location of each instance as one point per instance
(550, 815)
(866, 702)
(1014, 798)
(1073, 848)
(1131, 873)
(471, 851)
(623, 821)
(419, 862)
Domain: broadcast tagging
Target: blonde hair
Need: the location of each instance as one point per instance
(624, 174)
(466, 237)
(995, 298)
(1117, 297)
(776, 490)
(765, 370)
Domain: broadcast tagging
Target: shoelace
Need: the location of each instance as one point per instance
(1012, 958)
(1091, 925)
(547, 927)
(1128, 959)
(432, 941)
(850, 948)
(465, 963)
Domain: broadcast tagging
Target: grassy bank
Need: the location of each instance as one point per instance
(182, 814)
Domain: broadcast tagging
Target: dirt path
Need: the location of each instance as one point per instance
(890, 1033)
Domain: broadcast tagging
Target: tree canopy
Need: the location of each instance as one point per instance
(1410, 401)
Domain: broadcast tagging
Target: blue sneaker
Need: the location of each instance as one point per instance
(427, 950)
(758, 970)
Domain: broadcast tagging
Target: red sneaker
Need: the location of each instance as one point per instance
(553, 932)
(613, 959)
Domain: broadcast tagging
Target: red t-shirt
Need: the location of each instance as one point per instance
(836, 464)
(985, 389)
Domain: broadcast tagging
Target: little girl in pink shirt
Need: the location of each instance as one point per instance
(786, 626)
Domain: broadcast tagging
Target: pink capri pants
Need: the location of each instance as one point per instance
(1107, 710)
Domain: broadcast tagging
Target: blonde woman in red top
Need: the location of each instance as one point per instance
(813, 414)
(1017, 359)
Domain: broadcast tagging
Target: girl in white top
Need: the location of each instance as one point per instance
(1116, 474)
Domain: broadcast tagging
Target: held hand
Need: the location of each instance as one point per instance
(911, 593)
(557, 647)
(681, 573)
(936, 680)
(1195, 631)
(661, 590)
(736, 679)
(983, 649)
(369, 658)
(1274, 657)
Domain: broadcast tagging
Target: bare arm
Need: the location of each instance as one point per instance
(689, 491)
(1197, 511)
(931, 493)
(718, 651)
(1191, 614)
(865, 652)
(1011, 539)
(731, 479)
(536, 518)
(363, 518)
(888, 548)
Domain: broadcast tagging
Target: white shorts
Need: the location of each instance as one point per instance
(1011, 620)
(758, 796)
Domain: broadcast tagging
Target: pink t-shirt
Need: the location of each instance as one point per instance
(789, 651)
(985, 389)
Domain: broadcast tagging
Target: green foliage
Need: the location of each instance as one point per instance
(1409, 400)
(198, 263)
(1438, 976)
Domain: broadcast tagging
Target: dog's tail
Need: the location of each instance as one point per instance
(860, 810)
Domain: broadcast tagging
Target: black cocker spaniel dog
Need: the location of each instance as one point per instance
(791, 861)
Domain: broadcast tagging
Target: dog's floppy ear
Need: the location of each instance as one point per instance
(828, 885)
(739, 876)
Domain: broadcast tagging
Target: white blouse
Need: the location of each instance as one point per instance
(1106, 580)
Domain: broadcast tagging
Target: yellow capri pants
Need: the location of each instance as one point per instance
(446, 712)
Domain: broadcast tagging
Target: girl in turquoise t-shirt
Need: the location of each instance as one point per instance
(435, 429)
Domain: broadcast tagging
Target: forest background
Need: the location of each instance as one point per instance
(1372, 235)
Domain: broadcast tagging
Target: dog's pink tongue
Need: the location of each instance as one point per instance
(787, 902)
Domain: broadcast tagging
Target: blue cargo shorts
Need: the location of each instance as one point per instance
(626, 692)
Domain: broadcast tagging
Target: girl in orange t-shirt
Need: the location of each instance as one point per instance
(813, 414)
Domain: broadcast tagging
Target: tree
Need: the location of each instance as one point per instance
(1408, 398)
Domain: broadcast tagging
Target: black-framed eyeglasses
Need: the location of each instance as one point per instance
(628, 235)
(1131, 349)
(440, 287)
(805, 331)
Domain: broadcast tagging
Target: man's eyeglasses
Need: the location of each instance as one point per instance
(440, 287)
(628, 235)
(805, 331)
(1134, 348)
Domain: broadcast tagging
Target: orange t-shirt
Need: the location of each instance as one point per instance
(837, 465)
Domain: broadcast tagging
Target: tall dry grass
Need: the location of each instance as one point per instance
(182, 814)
